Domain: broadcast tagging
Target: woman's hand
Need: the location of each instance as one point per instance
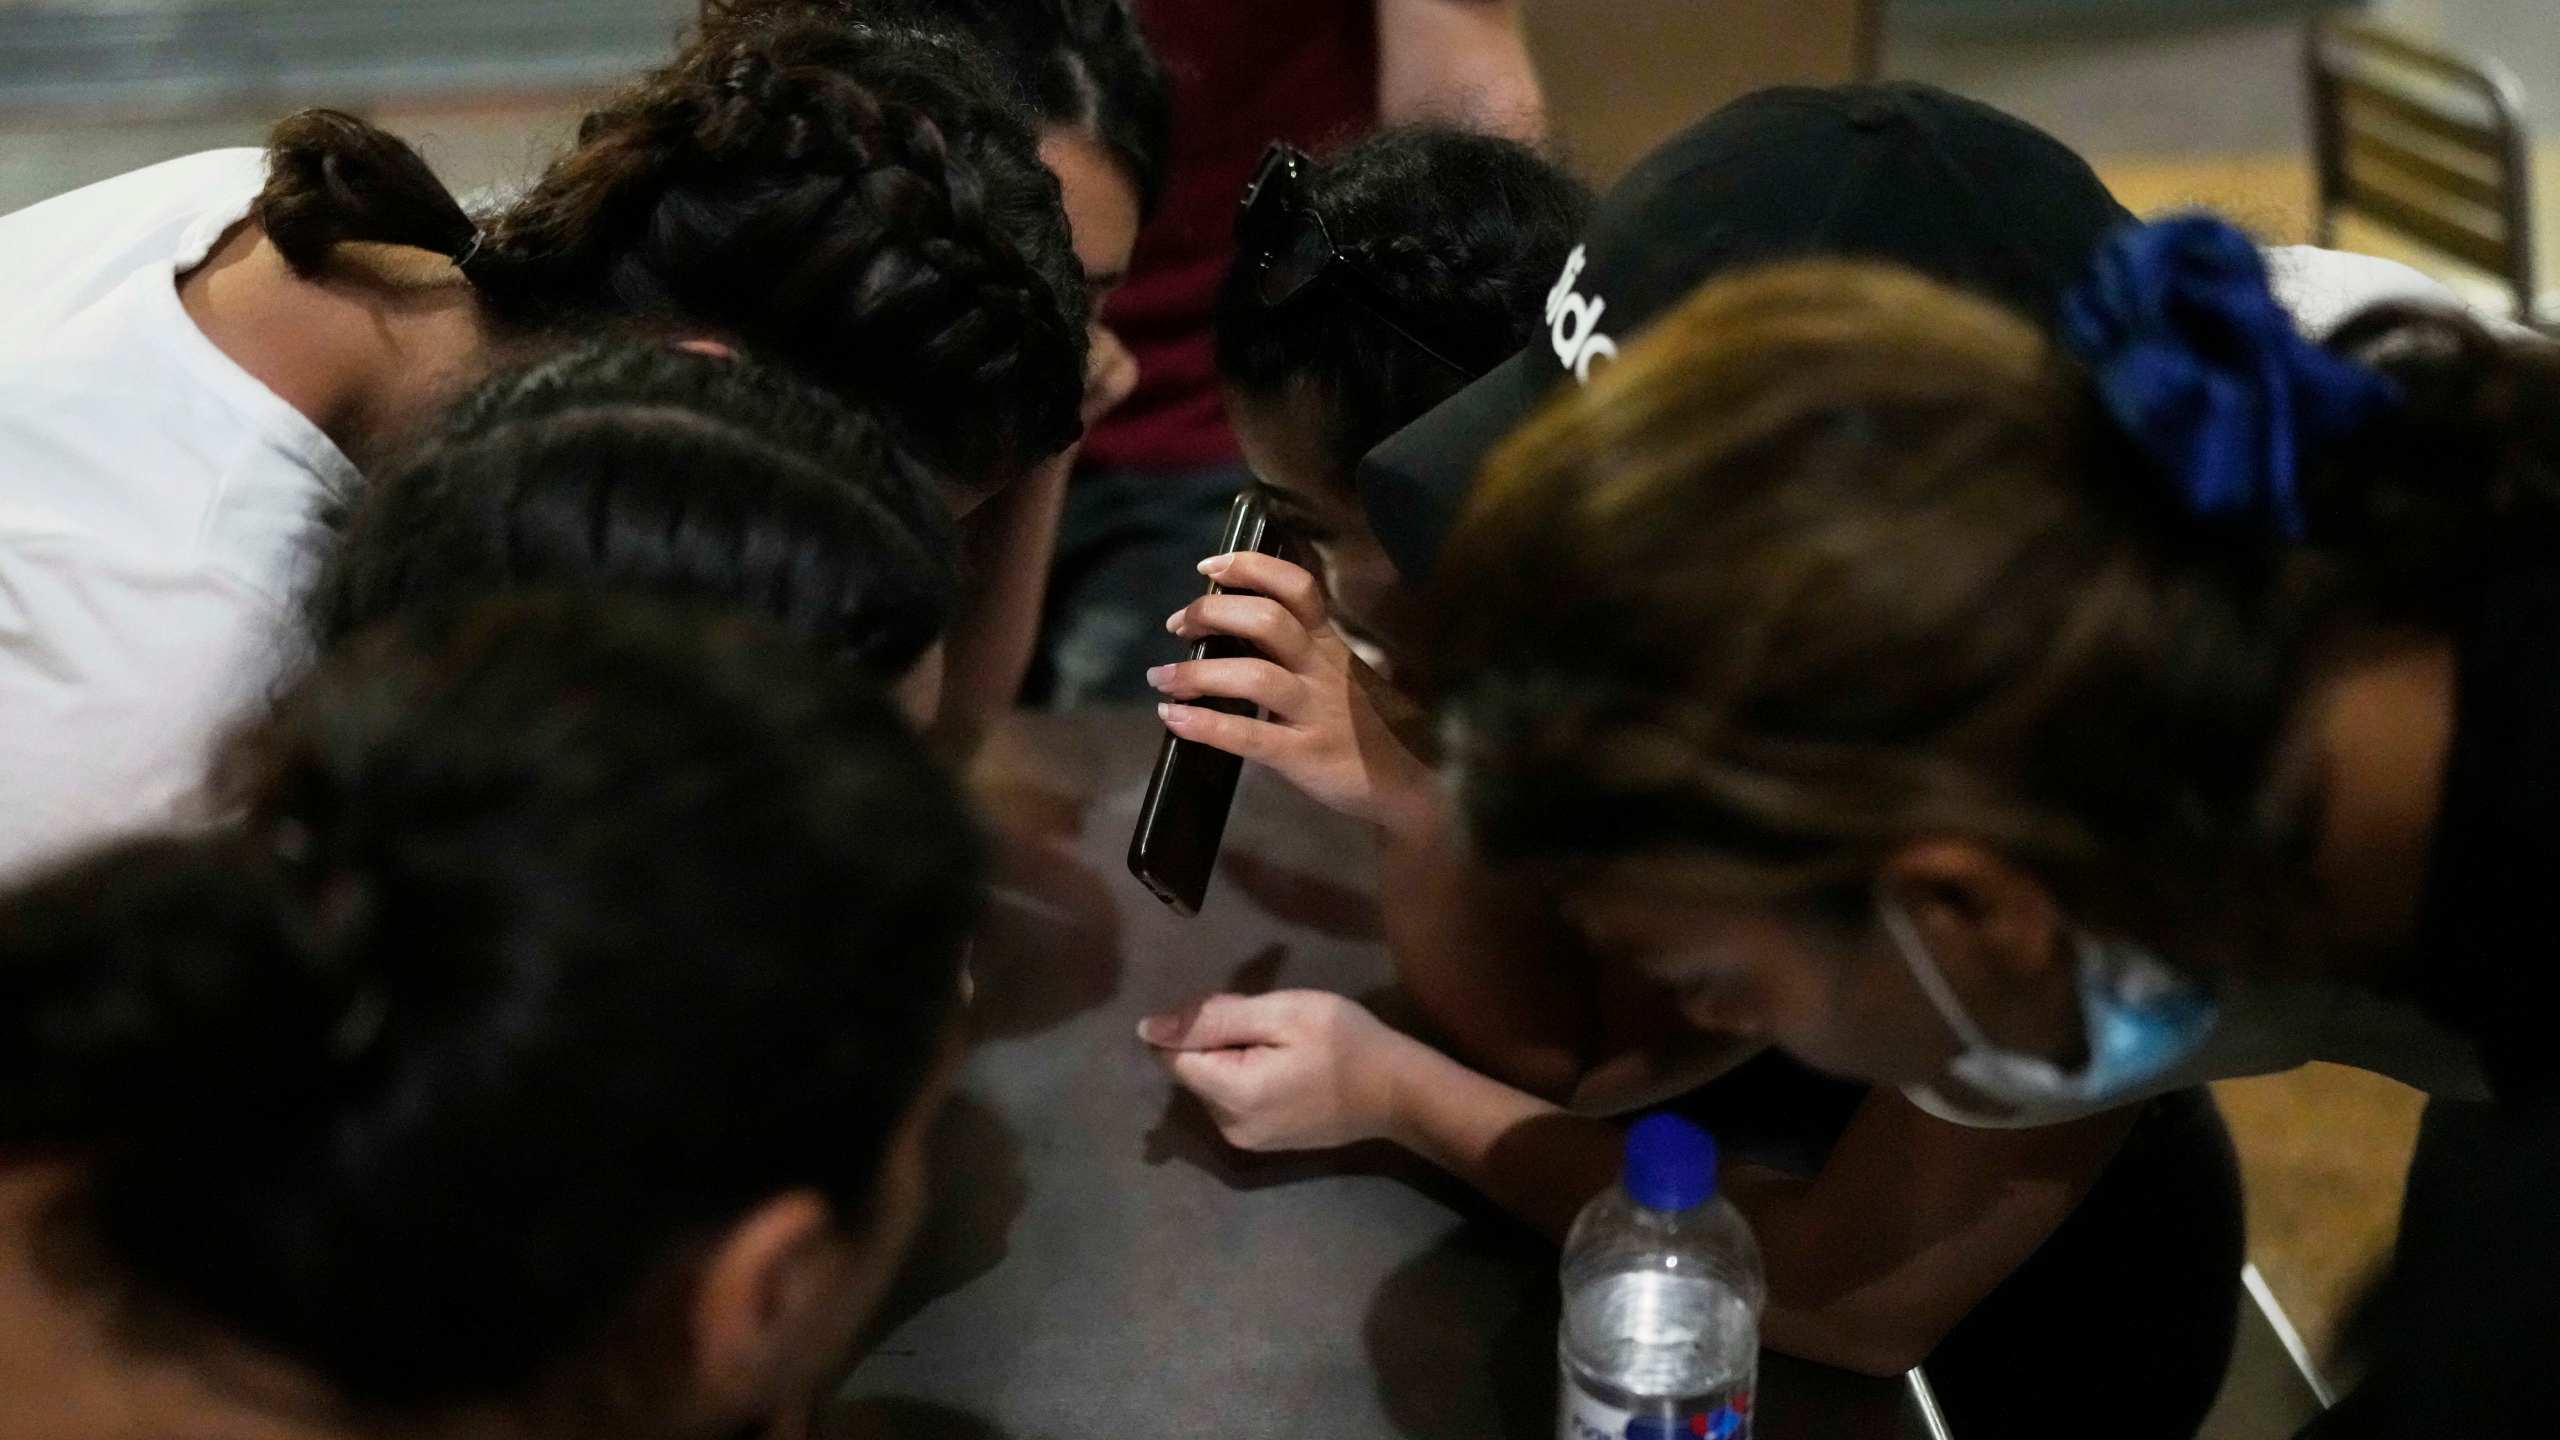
(1291, 1070)
(1319, 732)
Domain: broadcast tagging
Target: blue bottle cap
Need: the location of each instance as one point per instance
(1671, 1164)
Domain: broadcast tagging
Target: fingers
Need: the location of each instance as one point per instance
(1291, 585)
(1223, 1079)
(1256, 680)
(1257, 620)
(1220, 1022)
(1242, 736)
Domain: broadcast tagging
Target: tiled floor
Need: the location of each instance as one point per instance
(2322, 1154)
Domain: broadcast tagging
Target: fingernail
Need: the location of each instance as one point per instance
(1164, 713)
(1156, 1029)
(1173, 622)
(1157, 675)
(1216, 565)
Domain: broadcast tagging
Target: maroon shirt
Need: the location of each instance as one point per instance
(1244, 73)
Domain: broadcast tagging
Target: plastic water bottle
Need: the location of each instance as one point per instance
(1662, 1297)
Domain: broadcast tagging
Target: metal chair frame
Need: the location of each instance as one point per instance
(2445, 163)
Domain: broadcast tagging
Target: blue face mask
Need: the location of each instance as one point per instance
(2142, 1020)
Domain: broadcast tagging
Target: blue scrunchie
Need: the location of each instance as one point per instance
(2203, 368)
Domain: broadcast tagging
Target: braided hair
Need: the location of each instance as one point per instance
(863, 204)
(642, 467)
(1080, 64)
(1463, 232)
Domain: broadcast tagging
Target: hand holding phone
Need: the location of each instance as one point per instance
(1184, 816)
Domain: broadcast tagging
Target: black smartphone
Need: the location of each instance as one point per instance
(1175, 847)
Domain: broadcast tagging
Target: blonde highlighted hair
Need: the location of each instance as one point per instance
(1836, 557)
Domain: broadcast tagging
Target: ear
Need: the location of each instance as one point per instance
(1977, 911)
(770, 1283)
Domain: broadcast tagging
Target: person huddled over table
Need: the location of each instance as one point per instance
(1374, 286)
(200, 350)
(649, 468)
(2038, 721)
(1101, 110)
(542, 1047)
(1157, 472)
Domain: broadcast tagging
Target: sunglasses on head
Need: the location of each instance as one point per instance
(1283, 237)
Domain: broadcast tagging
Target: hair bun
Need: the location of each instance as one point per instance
(2204, 370)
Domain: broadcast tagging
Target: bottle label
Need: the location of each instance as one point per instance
(1722, 1416)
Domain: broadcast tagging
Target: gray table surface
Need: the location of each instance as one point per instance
(1101, 1264)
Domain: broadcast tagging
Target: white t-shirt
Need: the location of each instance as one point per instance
(2325, 288)
(152, 501)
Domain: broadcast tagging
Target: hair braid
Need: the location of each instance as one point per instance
(860, 204)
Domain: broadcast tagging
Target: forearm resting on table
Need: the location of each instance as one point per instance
(1485, 963)
(1870, 1263)
(1492, 967)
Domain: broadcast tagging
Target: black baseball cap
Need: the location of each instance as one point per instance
(1903, 173)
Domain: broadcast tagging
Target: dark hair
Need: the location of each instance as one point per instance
(1834, 558)
(863, 204)
(555, 934)
(1080, 64)
(645, 468)
(1464, 232)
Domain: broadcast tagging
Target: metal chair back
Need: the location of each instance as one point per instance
(2425, 143)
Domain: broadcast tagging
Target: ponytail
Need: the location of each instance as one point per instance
(333, 180)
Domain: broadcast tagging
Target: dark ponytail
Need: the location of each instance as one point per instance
(2463, 474)
(553, 934)
(333, 179)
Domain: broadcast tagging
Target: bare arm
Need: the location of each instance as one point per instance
(1871, 1262)
(1508, 985)
(1489, 964)
(1462, 60)
(1910, 1223)
(1005, 550)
